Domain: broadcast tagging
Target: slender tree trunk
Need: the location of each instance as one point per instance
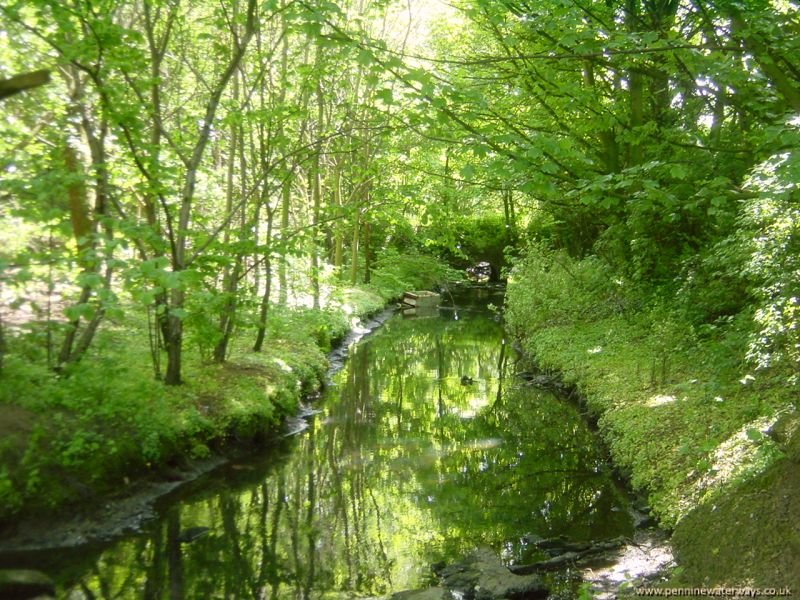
(179, 238)
(316, 201)
(3, 347)
(367, 258)
(231, 274)
(286, 199)
(338, 228)
(316, 190)
(354, 250)
(265, 298)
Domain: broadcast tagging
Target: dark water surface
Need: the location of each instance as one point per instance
(404, 466)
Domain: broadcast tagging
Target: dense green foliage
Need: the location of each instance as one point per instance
(61, 435)
(201, 179)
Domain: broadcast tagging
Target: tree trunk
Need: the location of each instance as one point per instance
(316, 202)
(635, 87)
(354, 251)
(338, 228)
(179, 238)
(3, 347)
(265, 298)
(610, 150)
(174, 342)
(286, 199)
(230, 275)
(769, 63)
(367, 259)
(84, 225)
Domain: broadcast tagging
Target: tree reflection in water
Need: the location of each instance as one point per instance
(407, 465)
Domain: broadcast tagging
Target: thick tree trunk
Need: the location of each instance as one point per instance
(635, 87)
(84, 225)
(610, 149)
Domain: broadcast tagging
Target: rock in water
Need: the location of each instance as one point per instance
(23, 583)
(484, 577)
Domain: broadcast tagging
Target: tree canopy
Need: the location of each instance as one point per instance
(201, 162)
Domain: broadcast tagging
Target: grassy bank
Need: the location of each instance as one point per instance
(685, 414)
(75, 437)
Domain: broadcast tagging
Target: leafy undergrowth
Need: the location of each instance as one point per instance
(91, 431)
(685, 415)
(110, 420)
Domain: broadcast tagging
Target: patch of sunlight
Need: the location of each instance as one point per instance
(659, 399)
(484, 444)
(645, 556)
(474, 404)
(706, 120)
(738, 454)
(283, 364)
(465, 413)
(355, 325)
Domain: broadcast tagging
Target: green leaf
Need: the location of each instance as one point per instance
(365, 57)
(754, 435)
(385, 95)
(678, 171)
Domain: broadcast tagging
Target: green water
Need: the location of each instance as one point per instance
(404, 466)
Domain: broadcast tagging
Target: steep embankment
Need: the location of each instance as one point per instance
(712, 442)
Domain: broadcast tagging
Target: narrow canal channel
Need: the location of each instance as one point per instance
(425, 447)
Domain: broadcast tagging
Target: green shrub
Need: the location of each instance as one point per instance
(548, 288)
(395, 273)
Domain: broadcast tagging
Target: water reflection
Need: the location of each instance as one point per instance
(424, 449)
